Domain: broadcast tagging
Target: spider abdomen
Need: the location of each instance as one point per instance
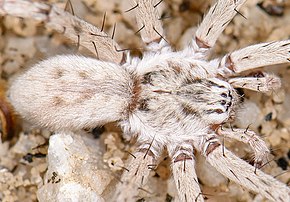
(80, 92)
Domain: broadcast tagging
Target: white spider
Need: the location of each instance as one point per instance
(167, 100)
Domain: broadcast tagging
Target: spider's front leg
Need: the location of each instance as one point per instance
(254, 56)
(261, 82)
(240, 171)
(215, 21)
(136, 174)
(248, 137)
(183, 170)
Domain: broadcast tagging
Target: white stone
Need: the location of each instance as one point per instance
(75, 170)
(207, 174)
(285, 113)
(249, 115)
(69, 192)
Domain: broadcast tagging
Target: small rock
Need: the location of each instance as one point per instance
(279, 96)
(74, 169)
(249, 115)
(274, 138)
(208, 175)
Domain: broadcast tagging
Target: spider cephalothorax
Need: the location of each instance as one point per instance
(175, 97)
(168, 100)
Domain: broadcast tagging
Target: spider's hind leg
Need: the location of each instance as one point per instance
(136, 174)
(72, 27)
(183, 170)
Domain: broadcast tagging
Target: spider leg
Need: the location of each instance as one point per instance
(149, 24)
(240, 171)
(136, 175)
(215, 21)
(72, 27)
(254, 56)
(183, 170)
(264, 83)
(249, 137)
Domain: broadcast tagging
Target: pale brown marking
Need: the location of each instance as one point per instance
(175, 66)
(77, 26)
(188, 110)
(182, 157)
(56, 101)
(135, 95)
(58, 73)
(211, 147)
(177, 69)
(230, 64)
(86, 95)
(83, 75)
(157, 40)
(214, 127)
(201, 44)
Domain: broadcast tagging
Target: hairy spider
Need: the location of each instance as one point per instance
(168, 100)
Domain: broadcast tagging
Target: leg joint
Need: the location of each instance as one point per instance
(210, 145)
(182, 157)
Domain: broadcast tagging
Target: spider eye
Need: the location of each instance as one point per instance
(223, 102)
(219, 111)
(224, 95)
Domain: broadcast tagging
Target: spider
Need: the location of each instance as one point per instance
(168, 100)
